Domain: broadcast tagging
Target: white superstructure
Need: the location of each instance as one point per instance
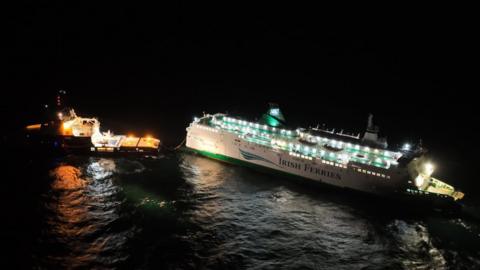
(89, 128)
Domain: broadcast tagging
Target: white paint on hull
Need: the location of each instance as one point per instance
(228, 144)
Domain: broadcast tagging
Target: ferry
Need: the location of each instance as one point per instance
(361, 163)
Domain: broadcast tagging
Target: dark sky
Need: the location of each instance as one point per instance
(152, 68)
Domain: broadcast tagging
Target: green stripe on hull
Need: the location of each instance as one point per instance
(247, 164)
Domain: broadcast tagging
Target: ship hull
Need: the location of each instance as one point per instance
(62, 145)
(408, 200)
(229, 147)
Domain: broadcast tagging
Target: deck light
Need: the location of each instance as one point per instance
(429, 169)
(419, 181)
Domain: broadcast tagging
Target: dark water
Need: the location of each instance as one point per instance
(183, 211)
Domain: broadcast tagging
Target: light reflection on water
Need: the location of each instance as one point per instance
(81, 210)
(190, 212)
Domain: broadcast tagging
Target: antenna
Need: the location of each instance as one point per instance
(60, 98)
(370, 121)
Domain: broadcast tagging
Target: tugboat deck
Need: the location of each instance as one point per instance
(122, 143)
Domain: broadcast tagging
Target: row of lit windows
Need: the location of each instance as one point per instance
(247, 130)
(207, 128)
(355, 147)
(323, 161)
(373, 173)
(334, 164)
(255, 125)
(417, 191)
(102, 149)
(300, 156)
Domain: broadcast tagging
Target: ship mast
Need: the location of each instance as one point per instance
(371, 134)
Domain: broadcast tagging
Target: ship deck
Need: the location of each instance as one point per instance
(297, 142)
(112, 143)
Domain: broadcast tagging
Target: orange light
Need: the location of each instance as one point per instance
(66, 128)
(67, 125)
(34, 127)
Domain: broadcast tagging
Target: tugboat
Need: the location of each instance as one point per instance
(70, 133)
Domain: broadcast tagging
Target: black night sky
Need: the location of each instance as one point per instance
(153, 68)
